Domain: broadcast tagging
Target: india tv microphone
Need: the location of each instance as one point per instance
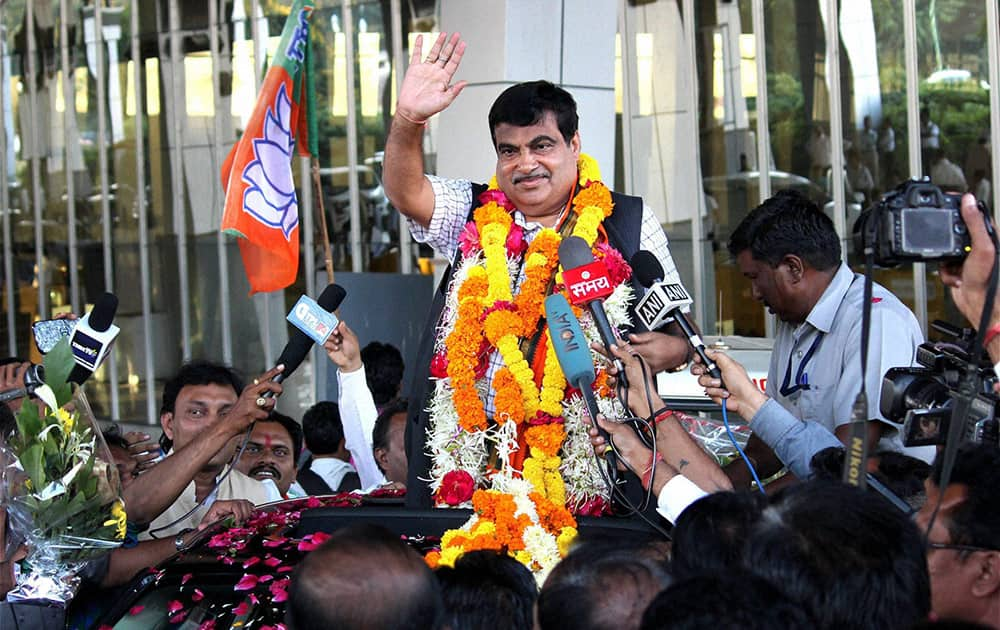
(663, 302)
(574, 358)
(311, 321)
(587, 283)
(93, 337)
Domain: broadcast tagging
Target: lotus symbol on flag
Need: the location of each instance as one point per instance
(270, 197)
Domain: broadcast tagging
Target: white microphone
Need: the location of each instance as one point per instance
(663, 303)
(93, 337)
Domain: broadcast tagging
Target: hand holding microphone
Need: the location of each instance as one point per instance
(257, 400)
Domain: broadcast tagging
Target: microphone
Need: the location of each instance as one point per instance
(587, 283)
(92, 338)
(574, 359)
(663, 302)
(299, 343)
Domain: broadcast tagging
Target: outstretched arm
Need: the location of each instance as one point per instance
(426, 90)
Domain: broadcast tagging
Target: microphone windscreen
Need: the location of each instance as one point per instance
(299, 344)
(574, 252)
(568, 341)
(103, 312)
(646, 268)
(331, 297)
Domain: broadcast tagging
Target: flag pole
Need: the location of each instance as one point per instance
(327, 254)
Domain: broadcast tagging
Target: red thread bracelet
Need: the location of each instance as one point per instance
(647, 477)
(660, 415)
(991, 334)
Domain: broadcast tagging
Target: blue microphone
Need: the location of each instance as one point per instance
(574, 358)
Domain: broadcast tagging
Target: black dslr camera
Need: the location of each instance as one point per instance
(922, 398)
(915, 222)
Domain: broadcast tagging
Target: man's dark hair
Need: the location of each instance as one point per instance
(380, 434)
(323, 428)
(363, 577)
(383, 370)
(525, 104)
(844, 554)
(293, 428)
(900, 473)
(710, 534)
(199, 373)
(976, 521)
(788, 223)
(600, 585)
(486, 589)
(732, 599)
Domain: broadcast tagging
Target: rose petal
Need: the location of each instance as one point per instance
(242, 609)
(285, 569)
(174, 606)
(246, 583)
(187, 576)
(135, 610)
(252, 560)
(198, 595)
(179, 617)
(208, 624)
(271, 561)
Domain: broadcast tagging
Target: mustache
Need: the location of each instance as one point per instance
(265, 467)
(536, 173)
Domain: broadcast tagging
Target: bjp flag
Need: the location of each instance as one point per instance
(262, 208)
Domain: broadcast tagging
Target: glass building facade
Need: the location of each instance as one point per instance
(117, 116)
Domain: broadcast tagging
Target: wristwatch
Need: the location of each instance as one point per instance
(179, 543)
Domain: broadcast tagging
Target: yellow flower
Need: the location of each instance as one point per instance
(66, 419)
(523, 557)
(589, 170)
(449, 555)
(567, 536)
(118, 519)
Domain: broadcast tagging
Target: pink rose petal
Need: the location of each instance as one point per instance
(174, 606)
(208, 624)
(187, 576)
(135, 610)
(252, 560)
(198, 595)
(242, 609)
(247, 582)
(179, 617)
(271, 561)
(285, 569)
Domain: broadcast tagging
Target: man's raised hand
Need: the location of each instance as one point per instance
(427, 88)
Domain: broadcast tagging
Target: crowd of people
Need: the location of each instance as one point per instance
(805, 551)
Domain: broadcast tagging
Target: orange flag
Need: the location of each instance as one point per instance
(262, 207)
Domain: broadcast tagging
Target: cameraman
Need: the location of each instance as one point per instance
(969, 280)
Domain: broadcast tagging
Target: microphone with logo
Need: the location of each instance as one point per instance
(663, 302)
(93, 337)
(587, 283)
(575, 360)
(313, 322)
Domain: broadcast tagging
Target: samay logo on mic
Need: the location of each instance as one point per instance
(587, 283)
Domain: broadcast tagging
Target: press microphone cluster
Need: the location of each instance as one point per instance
(93, 337)
(587, 284)
(663, 303)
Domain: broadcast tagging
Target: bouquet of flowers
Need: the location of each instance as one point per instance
(62, 487)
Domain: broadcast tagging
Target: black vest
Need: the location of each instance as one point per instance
(623, 229)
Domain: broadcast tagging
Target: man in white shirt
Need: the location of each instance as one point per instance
(203, 418)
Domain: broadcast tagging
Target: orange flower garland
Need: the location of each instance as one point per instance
(462, 345)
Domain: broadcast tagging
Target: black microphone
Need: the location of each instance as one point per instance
(92, 338)
(587, 283)
(299, 344)
(663, 301)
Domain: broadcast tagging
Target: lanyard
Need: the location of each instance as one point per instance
(801, 376)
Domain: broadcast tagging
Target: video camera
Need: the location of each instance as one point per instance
(922, 398)
(915, 222)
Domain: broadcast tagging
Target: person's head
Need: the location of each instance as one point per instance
(324, 430)
(925, 114)
(709, 535)
(867, 122)
(486, 589)
(534, 130)
(363, 577)
(383, 370)
(789, 250)
(729, 599)
(196, 398)
(965, 579)
(600, 585)
(388, 441)
(272, 450)
(844, 554)
(123, 460)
